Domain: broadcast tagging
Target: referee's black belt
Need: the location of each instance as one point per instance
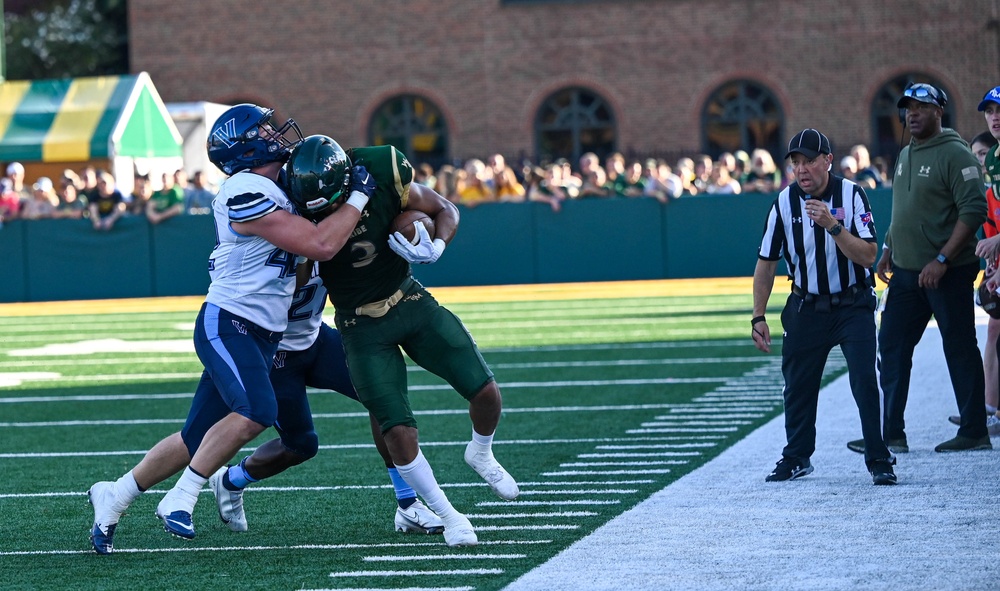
(825, 301)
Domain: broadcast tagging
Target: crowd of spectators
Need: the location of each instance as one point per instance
(476, 182)
(93, 194)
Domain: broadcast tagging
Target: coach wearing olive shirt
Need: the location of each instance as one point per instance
(822, 225)
(938, 203)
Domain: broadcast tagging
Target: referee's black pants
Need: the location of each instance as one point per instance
(812, 329)
(908, 309)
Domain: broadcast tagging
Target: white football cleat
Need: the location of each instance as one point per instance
(175, 515)
(230, 503)
(458, 532)
(106, 515)
(491, 471)
(418, 518)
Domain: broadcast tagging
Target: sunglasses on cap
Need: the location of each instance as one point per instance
(922, 92)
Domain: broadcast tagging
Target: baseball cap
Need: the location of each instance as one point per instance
(810, 143)
(923, 93)
(993, 96)
(15, 168)
(43, 183)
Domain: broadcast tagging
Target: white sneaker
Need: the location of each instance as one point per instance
(418, 518)
(491, 471)
(230, 503)
(106, 515)
(458, 532)
(993, 425)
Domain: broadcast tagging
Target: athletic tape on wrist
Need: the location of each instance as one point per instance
(358, 200)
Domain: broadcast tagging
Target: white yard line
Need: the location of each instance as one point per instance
(265, 549)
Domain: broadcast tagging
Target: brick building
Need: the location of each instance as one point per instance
(453, 79)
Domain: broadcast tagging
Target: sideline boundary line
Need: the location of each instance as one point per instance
(446, 295)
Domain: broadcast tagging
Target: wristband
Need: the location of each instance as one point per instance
(756, 319)
(439, 245)
(357, 200)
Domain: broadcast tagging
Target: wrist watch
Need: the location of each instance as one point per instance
(941, 258)
(836, 229)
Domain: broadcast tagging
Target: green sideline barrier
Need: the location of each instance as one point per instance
(601, 240)
(69, 260)
(180, 254)
(13, 275)
(497, 244)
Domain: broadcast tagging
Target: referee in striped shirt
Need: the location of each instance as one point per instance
(822, 225)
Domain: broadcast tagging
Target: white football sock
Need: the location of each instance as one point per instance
(485, 441)
(419, 475)
(126, 490)
(187, 488)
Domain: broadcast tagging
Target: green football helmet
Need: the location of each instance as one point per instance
(317, 176)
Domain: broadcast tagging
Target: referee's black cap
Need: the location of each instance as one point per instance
(810, 143)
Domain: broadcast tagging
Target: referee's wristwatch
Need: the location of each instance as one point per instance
(834, 231)
(942, 259)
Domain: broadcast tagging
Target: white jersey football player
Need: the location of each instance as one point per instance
(311, 354)
(251, 277)
(239, 326)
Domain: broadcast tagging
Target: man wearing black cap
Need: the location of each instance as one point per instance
(822, 225)
(938, 203)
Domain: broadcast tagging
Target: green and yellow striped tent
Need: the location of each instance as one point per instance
(85, 120)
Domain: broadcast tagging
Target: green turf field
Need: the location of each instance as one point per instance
(606, 401)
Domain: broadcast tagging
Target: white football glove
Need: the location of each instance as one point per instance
(425, 251)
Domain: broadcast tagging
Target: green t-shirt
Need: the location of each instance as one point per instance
(164, 199)
(993, 170)
(366, 269)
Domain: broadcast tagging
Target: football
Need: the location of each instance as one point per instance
(403, 223)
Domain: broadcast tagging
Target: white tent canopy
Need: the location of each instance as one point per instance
(194, 121)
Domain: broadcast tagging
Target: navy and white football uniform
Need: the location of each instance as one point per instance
(241, 323)
(310, 354)
(251, 277)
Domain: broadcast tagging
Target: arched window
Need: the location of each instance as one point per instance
(742, 115)
(414, 125)
(571, 122)
(888, 129)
